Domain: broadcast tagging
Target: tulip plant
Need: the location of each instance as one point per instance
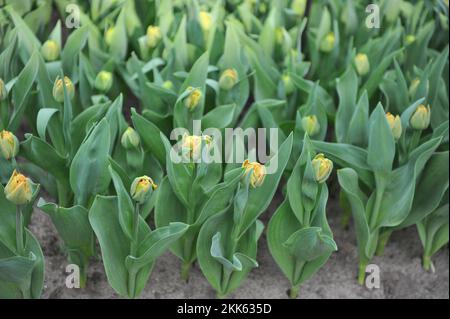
(94, 103)
(298, 234)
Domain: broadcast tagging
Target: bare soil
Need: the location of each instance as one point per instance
(400, 269)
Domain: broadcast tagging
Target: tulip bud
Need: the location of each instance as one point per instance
(50, 50)
(322, 168)
(396, 125)
(279, 35)
(258, 172)
(205, 20)
(362, 64)
(9, 145)
(130, 139)
(58, 89)
(262, 8)
(327, 44)
(421, 118)
(193, 98)
(109, 35)
(19, 189)
(413, 88)
(410, 39)
(311, 125)
(192, 145)
(228, 79)
(103, 81)
(299, 7)
(3, 93)
(168, 85)
(288, 84)
(153, 36)
(141, 189)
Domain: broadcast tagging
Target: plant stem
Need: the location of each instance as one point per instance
(376, 208)
(362, 272)
(293, 292)
(185, 268)
(19, 231)
(426, 262)
(382, 241)
(134, 243)
(62, 194)
(134, 251)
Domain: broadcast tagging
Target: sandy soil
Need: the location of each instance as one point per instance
(400, 269)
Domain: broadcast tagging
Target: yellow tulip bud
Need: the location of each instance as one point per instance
(168, 85)
(258, 172)
(130, 139)
(153, 36)
(410, 39)
(193, 99)
(19, 190)
(192, 145)
(420, 120)
(50, 50)
(228, 79)
(205, 20)
(396, 125)
(311, 125)
(3, 93)
(322, 168)
(9, 145)
(279, 35)
(142, 188)
(58, 89)
(362, 64)
(103, 81)
(289, 87)
(262, 8)
(327, 44)
(109, 35)
(299, 7)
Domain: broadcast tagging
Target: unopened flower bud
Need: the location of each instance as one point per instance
(311, 125)
(322, 168)
(299, 7)
(50, 50)
(19, 189)
(258, 172)
(228, 79)
(103, 81)
(362, 64)
(3, 93)
(289, 87)
(193, 99)
(58, 89)
(109, 35)
(396, 125)
(191, 145)
(420, 120)
(130, 139)
(413, 88)
(168, 85)
(142, 188)
(328, 42)
(153, 36)
(205, 20)
(9, 145)
(410, 39)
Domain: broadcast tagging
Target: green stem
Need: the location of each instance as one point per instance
(134, 250)
(293, 292)
(376, 208)
(62, 194)
(185, 268)
(415, 140)
(426, 262)
(362, 272)
(19, 231)
(382, 241)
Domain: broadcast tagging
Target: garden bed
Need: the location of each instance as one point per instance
(402, 275)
